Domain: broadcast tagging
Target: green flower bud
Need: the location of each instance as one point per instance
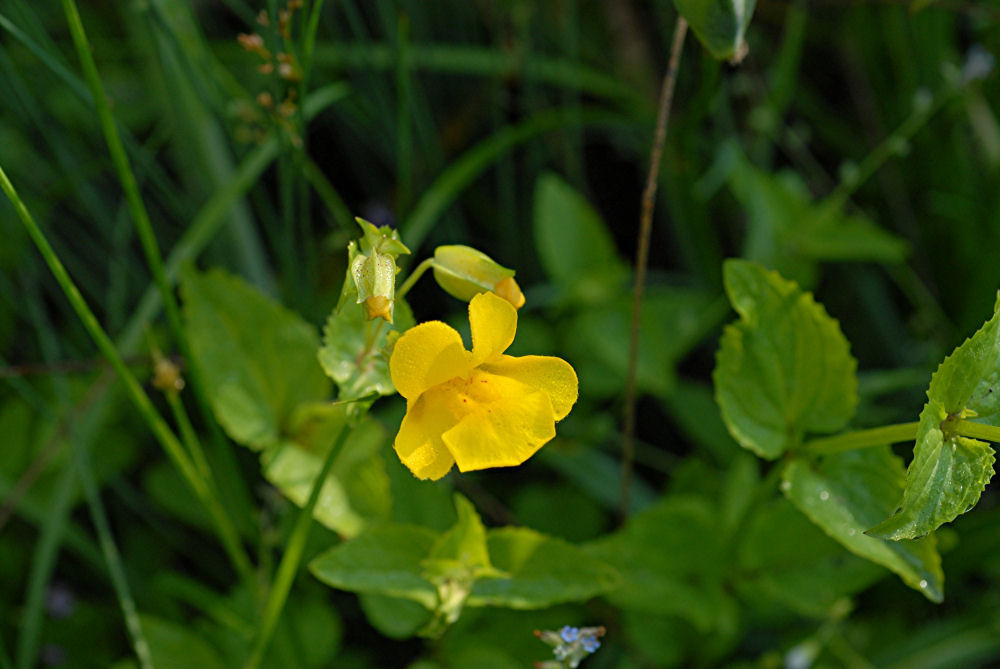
(464, 272)
(372, 268)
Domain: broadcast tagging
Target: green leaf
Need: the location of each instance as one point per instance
(357, 490)
(845, 493)
(353, 349)
(384, 560)
(785, 368)
(464, 544)
(719, 24)
(573, 244)
(788, 231)
(672, 560)
(175, 646)
(257, 358)
(949, 472)
(540, 571)
(671, 324)
(786, 560)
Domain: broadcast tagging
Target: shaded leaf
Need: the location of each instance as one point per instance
(540, 571)
(384, 560)
(257, 358)
(175, 646)
(784, 368)
(574, 246)
(671, 558)
(719, 24)
(846, 493)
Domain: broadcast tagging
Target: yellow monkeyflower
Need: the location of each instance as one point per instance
(477, 408)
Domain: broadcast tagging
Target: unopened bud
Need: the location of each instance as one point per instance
(464, 272)
(373, 269)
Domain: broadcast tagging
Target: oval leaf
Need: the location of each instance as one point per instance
(719, 24)
(785, 368)
(845, 493)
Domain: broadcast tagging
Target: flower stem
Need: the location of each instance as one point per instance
(642, 259)
(417, 272)
(968, 428)
(849, 441)
(289, 565)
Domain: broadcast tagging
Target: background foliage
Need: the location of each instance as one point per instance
(856, 150)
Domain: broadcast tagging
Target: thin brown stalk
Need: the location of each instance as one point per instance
(642, 259)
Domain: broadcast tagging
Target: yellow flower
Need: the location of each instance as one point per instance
(476, 408)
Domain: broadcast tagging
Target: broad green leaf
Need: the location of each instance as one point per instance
(845, 493)
(949, 472)
(353, 349)
(785, 560)
(789, 232)
(719, 24)
(573, 244)
(464, 544)
(384, 560)
(257, 358)
(784, 369)
(672, 560)
(174, 646)
(394, 617)
(540, 571)
(357, 490)
(672, 322)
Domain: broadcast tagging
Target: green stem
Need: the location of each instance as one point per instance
(289, 565)
(968, 428)
(849, 441)
(188, 435)
(417, 272)
(890, 146)
(140, 400)
(125, 175)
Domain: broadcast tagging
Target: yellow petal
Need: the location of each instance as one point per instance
(553, 376)
(418, 443)
(493, 321)
(503, 434)
(426, 355)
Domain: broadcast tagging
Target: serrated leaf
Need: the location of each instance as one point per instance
(719, 24)
(784, 369)
(540, 571)
(949, 472)
(353, 349)
(945, 479)
(355, 493)
(845, 493)
(672, 560)
(574, 246)
(257, 358)
(384, 560)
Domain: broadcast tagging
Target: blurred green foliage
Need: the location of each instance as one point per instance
(855, 150)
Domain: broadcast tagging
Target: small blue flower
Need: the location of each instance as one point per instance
(590, 644)
(569, 634)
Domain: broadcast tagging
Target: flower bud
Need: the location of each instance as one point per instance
(464, 272)
(373, 270)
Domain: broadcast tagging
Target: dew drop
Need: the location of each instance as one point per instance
(851, 532)
(824, 495)
(923, 583)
